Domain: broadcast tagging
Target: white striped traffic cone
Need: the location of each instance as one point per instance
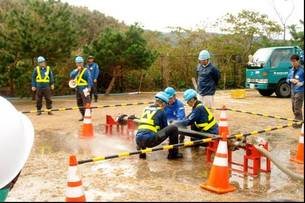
(223, 124)
(87, 123)
(299, 158)
(219, 175)
(74, 192)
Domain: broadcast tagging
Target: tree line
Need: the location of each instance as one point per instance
(130, 57)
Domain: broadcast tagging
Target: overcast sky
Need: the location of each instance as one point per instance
(160, 14)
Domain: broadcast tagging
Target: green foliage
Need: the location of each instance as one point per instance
(55, 30)
(127, 49)
(298, 36)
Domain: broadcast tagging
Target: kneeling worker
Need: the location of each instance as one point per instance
(153, 128)
(200, 119)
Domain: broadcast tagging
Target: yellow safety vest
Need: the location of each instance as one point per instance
(46, 78)
(79, 79)
(147, 119)
(211, 120)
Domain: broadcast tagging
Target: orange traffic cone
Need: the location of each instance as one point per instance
(74, 192)
(299, 158)
(223, 124)
(87, 124)
(219, 175)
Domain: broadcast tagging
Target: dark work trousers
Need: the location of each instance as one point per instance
(46, 93)
(82, 100)
(94, 91)
(170, 132)
(297, 104)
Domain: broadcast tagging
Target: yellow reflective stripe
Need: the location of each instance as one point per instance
(210, 116)
(168, 147)
(46, 78)
(33, 111)
(210, 125)
(148, 150)
(124, 154)
(100, 158)
(148, 127)
(80, 81)
(188, 143)
(75, 107)
(147, 121)
(62, 109)
(266, 115)
(268, 129)
(206, 126)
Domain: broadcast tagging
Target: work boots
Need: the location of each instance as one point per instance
(174, 154)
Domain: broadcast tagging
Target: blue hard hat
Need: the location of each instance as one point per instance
(79, 59)
(162, 96)
(170, 91)
(189, 94)
(41, 59)
(204, 55)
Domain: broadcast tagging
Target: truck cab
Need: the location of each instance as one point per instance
(268, 68)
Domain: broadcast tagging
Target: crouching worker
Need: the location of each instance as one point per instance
(153, 128)
(16, 141)
(200, 119)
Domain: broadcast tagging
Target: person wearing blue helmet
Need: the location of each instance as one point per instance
(84, 83)
(42, 84)
(153, 128)
(208, 76)
(94, 71)
(200, 119)
(175, 110)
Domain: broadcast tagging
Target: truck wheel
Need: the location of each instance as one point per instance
(283, 90)
(266, 93)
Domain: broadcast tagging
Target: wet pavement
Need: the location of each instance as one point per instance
(156, 178)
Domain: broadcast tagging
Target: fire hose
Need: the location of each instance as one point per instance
(288, 172)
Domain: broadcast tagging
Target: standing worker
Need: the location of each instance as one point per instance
(201, 119)
(208, 77)
(42, 79)
(153, 128)
(16, 141)
(83, 80)
(94, 71)
(296, 80)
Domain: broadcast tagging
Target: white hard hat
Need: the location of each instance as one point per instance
(16, 141)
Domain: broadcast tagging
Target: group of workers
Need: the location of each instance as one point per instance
(162, 119)
(84, 75)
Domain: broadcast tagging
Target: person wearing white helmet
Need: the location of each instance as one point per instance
(42, 83)
(84, 83)
(208, 76)
(16, 141)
